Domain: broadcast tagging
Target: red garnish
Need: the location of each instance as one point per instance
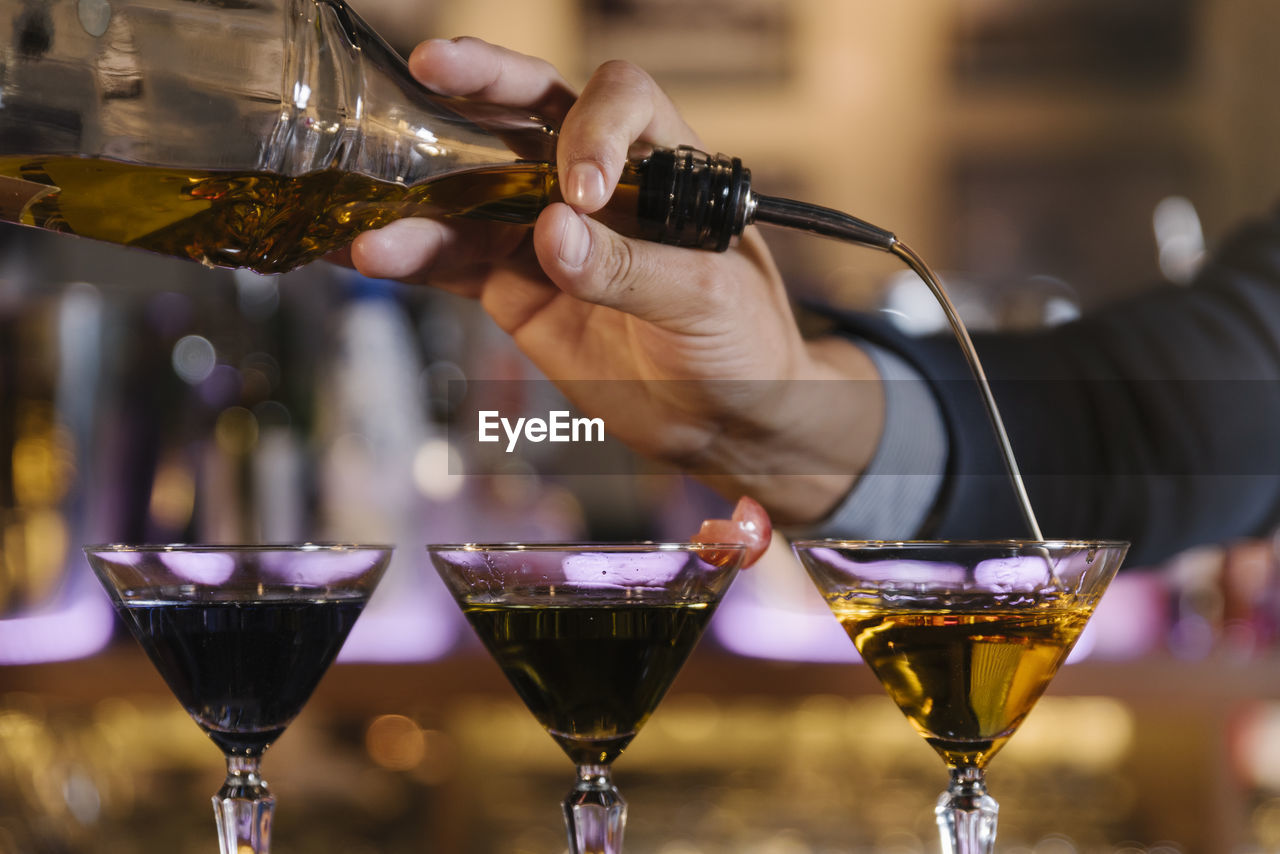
(750, 526)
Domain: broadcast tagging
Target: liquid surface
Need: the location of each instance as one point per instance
(242, 670)
(965, 678)
(591, 675)
(266, 222)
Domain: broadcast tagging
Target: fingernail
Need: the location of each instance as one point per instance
(575, 242)
(584, 186)
(431, 45)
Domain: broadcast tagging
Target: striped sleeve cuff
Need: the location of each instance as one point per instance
(896, 493)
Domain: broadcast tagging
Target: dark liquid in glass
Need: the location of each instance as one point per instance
(242, 669)
(590, 674)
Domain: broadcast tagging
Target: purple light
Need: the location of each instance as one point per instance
(317, 566)
(200, 567)
(79, 628)
(221, 387)
(1130, 621)
(746, 626)
(623, 569)
(411, 616)
(124, 558)
(417, 626)
(1005, 574)
(906, 572)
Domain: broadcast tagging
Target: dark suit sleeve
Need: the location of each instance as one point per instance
(1155, 420)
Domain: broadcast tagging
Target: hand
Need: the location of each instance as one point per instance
(705, 344)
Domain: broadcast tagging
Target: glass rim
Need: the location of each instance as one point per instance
(633, 546)
(872, 545)
(159, 548)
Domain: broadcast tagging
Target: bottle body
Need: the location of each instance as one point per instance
(267, 135)
(258, 137)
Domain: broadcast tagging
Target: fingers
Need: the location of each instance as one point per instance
(619, 105)
(447, 255)
(673, 287)
(404, 249)
(474, 69)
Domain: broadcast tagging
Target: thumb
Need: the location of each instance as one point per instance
(665, 285)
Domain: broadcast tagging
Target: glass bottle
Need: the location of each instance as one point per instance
(266, 133)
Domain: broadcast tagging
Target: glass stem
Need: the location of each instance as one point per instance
(967, 814)
(243, 808)
(594, 813)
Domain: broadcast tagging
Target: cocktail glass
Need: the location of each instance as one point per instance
(591, 637)
(242, 635)
(965, 637)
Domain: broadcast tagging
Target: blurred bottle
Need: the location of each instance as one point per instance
(47, 340)
(265, 134)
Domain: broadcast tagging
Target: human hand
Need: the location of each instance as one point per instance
(700, 352)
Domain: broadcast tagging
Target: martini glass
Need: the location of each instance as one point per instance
(591, 637)
(242, 635)
(965, 637)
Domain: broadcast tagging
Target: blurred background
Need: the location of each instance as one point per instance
(1050, 157)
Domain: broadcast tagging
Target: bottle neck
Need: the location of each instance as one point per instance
(694, 199)
(350, 103)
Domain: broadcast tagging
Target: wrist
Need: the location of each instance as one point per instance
(801, 453)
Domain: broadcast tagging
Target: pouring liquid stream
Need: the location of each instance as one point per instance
(841, 226)
(921, 269)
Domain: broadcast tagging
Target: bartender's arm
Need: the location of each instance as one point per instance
(1153, 421)
(713, 373)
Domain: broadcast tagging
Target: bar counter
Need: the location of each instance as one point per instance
(1150, 755)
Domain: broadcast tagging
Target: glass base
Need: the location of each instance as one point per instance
(243, 808)
(595, 814)
(967, 814)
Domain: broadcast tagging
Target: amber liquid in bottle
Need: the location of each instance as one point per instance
(268, 222)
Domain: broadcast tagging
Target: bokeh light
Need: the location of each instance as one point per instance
(194, 359)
